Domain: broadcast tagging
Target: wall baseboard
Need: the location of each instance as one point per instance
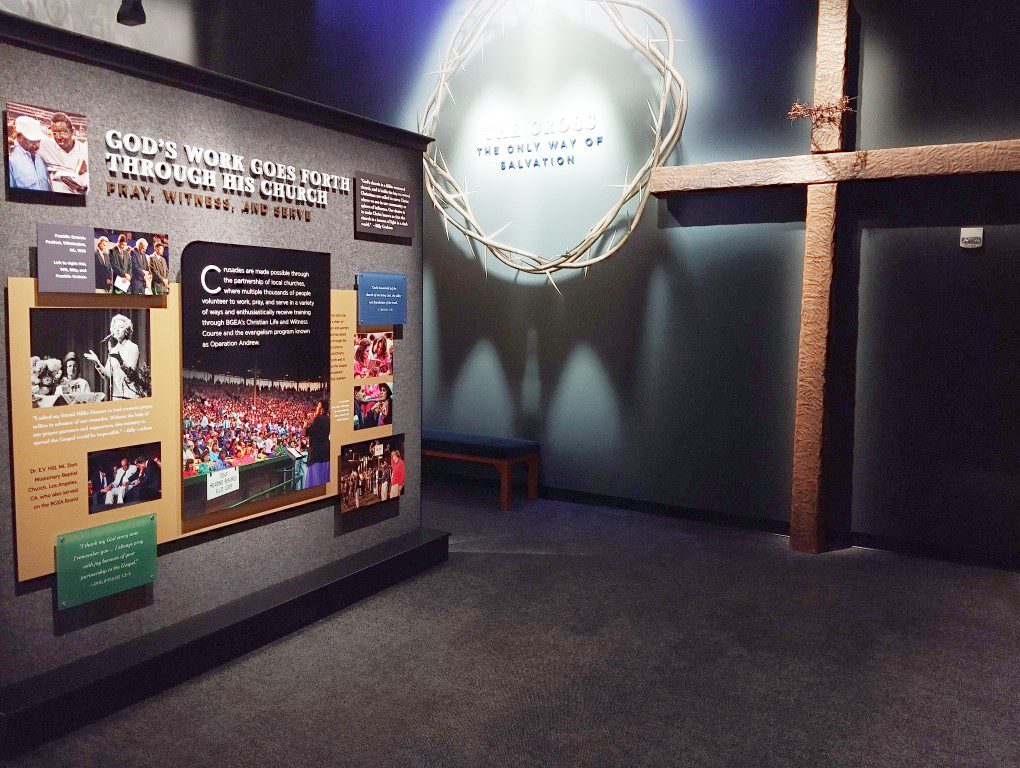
(430, 471)
(56, 702)
(835, 539)
(1002, 561)
(766, 525)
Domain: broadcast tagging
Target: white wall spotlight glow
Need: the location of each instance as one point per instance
(668, 117)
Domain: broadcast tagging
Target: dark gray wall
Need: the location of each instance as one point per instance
(934, 73)
(168, 31)
(667, 373)
(935, 452)
(244, 559)
(936, 441)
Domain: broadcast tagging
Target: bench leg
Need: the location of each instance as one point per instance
(533, 477)
(504, 485)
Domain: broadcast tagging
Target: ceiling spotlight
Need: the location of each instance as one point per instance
(131, 13)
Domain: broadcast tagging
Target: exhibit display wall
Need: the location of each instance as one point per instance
(223, 561)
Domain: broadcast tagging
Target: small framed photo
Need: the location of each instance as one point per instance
(47, 150)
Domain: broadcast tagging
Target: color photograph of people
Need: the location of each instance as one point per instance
(373, 405)
(88, 355)
(236, 423)
(47, 150)
(371, 472)
(124, 476)
(132, 262)
(373, 355)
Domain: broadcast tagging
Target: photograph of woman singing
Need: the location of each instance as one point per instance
(89, 355)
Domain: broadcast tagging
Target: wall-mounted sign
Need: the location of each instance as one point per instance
(382, 298)
(516, 144)
(102, 561)
(85, 260)
(176, 173)
(91, 386)
(382, 207)
(972, 237)
(65, 263)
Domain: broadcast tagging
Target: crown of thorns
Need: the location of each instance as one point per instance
(668, 118)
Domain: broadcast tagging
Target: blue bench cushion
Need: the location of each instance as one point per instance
(476, 445)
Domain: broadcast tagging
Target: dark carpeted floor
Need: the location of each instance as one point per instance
(560, 634)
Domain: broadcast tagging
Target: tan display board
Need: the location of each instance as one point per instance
(76, 413)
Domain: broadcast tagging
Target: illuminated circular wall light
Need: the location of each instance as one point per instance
(667, 124)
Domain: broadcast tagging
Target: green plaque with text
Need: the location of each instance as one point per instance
(105, 560)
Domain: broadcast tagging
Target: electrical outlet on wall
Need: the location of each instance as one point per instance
(972, 237)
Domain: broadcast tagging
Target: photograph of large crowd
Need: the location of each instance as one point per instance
(89, 355)
(373, 355)
(230, 421)
(371, 472)
(47, 150)
(124, 476)
(137, 263)
(373, 405)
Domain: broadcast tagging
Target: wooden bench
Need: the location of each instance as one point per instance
(503, 453)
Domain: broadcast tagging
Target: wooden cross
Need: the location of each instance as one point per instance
(821, 172)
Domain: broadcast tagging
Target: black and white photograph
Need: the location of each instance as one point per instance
(84, 356)
(137, 263)
(119, 477)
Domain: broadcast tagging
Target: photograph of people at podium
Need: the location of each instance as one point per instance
(82, 356)
(137, 263)
(373, 405)
(371, 472)
(47, 150)
(123, 476)
(373, 355)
